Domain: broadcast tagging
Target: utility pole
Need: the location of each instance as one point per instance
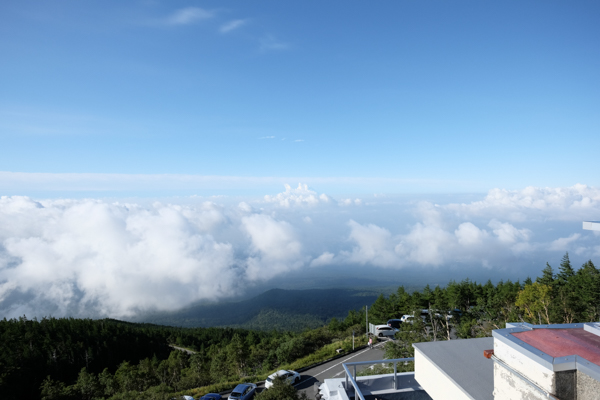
(367, 319)
(352, 339)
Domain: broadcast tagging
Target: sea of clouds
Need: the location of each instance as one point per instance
(91, 257)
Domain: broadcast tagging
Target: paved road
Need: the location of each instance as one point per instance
(182, 349)
(333, 369)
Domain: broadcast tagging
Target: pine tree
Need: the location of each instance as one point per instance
(547, 277)
(565, 270)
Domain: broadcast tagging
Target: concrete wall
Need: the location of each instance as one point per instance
(509, 386)
(437, 384)
(521, 363)
(587, 387)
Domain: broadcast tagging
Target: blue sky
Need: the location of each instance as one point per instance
(437, 96)
(152, 151)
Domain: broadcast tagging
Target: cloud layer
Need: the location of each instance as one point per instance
(97, 258)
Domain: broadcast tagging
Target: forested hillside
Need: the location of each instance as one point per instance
(558, 296)
(107, 359)
(86, 359)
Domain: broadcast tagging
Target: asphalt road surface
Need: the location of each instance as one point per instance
(331, 369)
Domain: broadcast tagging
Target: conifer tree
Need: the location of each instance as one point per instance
(547, 277)
(565, 270)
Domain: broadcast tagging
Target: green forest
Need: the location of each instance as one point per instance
(67, 358)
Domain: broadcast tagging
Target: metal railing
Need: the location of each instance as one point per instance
(352, 377)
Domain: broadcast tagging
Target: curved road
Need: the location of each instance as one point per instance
(328, 370)
(333, 369)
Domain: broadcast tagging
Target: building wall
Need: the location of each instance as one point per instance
(587, 387)
(437, 384)
(542, 376)
(509, 386)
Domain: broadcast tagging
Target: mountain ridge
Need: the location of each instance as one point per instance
(281, 309)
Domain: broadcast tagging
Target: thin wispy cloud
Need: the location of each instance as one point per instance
(267, 137)
(61, 183)
(299, 140)
(232, 25)
(270, 43)
(189, 15)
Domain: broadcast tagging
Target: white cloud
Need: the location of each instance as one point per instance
(189, 15)
(562, 244)
(426, 244)
(232, 25)
(508, 233)
(493, 231)
(275, 247)
(349, 202)
(245, 207)
(570, 204)
(302, 195)
(323, 260)
(470, 235)
(374, 245)
(94, 257)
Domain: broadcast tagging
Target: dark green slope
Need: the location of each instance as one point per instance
(274, 309)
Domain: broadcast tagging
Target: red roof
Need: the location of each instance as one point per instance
(564, 342)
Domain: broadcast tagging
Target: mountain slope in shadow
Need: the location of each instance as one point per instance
(273, 309)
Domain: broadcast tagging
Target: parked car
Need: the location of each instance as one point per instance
(287, 376)
(394, 323)
(243, 391)
(384, 330)
(211, 396)
(409, 317)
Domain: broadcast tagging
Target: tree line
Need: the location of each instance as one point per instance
(68, 358)
(467, 309)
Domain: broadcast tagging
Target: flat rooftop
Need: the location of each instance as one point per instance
(564, 342)
(462, 361)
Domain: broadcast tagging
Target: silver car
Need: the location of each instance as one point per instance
(287, 376)
(384, 330)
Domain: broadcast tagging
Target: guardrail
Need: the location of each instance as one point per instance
(352, 377)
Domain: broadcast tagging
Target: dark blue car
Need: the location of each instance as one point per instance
(211, 396)
(243, 391)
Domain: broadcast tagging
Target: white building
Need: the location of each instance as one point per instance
(522, 361)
